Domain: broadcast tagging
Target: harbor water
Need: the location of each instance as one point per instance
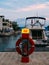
(8, 42)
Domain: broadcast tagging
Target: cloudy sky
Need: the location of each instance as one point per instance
(13, 9)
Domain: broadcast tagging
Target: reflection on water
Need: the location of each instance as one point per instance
(8, 42)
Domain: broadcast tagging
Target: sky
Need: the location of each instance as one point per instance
(13, 9)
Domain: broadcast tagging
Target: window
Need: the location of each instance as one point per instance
(4, 24)
(36, 34)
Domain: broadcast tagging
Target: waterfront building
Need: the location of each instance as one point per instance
(5, 26)
(1, 20)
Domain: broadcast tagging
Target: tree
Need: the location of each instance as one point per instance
(15, 26)
(48, 27)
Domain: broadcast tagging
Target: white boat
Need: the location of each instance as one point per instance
(37, 30)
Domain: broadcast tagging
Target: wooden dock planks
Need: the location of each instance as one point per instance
(13, 58)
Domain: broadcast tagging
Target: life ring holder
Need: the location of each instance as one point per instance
(31, 49)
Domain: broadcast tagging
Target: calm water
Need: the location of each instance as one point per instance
(8, 42)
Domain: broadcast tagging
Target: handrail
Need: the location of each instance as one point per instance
(35, 18)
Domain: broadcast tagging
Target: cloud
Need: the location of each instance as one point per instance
(0, 8)
(47, 18)
(14, 6)
(14, 13)
(32, 7)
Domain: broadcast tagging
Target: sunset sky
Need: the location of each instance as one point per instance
(13, 9)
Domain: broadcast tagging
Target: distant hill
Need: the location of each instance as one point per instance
(21, 22)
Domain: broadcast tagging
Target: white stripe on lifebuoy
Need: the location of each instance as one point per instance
(31, 48)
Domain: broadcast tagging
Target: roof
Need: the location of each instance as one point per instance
(35, 18)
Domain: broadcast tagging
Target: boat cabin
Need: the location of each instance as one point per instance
(36, 26)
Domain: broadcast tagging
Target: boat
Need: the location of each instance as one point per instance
(6, 32)
(37, 30)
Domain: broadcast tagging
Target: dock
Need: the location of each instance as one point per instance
(13, 58)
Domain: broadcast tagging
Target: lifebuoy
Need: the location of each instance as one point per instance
(31, 43)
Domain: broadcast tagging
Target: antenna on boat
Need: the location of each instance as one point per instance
(37, 14)
(25, 23)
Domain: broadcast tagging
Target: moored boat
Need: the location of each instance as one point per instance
(37, 30)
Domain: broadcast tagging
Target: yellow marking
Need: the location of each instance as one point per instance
(25, 30)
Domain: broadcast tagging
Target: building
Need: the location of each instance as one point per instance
(5, 26)
(1, 21)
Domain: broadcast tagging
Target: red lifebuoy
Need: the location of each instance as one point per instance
(31, 49)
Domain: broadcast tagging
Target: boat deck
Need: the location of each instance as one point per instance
(13, 58)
